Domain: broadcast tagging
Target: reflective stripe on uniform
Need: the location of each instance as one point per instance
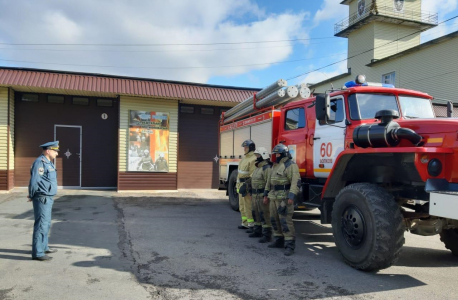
(250, 220)
(243, 172)
(244, 218)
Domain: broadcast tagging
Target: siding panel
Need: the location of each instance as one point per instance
(3, 129)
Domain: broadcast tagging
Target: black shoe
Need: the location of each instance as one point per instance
(279, 242)
(257, 232)
(266, 235)
(289, 251)
(242, 227)
(250, 230)
(289, 247)
(42, 258)
(51, 251)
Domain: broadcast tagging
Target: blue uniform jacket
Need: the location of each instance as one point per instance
(43, 178)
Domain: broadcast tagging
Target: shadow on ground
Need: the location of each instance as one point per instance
(184, 245)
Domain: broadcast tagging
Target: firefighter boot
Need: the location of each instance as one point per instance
(279, 242)
(257, 232)
(266, 235)
(290, 245)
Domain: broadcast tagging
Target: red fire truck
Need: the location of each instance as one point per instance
(373, 159)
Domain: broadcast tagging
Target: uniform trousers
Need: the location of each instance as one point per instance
(42, 207)
(261, 211)
(245, 210)
(282, 224)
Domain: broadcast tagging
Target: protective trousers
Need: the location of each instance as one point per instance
(42, 207)
(245, 211)
(282, 223)
(261, 212)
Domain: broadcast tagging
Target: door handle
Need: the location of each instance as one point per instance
(316, 138)
(282, 141)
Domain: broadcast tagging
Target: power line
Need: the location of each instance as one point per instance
(211, 67)
(334, 63)
(151, 51)
(159, 44)
(174, 68)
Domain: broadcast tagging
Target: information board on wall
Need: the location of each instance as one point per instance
(148, 141)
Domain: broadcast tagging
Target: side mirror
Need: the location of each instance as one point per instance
(323, 107)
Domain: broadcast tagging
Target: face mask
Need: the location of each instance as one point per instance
(281, 156)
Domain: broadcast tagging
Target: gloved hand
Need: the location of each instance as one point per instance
(282, 209)
(243, 190)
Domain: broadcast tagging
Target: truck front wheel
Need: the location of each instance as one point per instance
(233, 195)
(450, 238)
(368, 227)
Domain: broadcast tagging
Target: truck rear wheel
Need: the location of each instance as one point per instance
(233, 195)
(368, 227)
(450, 238)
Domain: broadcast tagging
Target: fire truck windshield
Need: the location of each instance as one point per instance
(364, 106)
(414, 107)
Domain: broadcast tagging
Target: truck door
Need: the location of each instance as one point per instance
(293, 133)
(329, 139)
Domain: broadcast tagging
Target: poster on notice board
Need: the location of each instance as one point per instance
(148, 141)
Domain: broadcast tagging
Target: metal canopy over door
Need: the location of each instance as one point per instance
(68, 163)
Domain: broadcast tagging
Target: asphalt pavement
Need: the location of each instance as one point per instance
(186, 245)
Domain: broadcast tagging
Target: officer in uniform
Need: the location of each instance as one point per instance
(161, 163)
(281, 188)
(262, 224)
(246, 168)
(42, 189)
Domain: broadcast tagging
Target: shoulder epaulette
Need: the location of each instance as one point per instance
(266, 166)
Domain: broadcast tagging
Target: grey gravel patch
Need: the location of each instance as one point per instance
(28, 289)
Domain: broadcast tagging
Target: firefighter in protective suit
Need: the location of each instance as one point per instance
(262, 225)
(281, 188)
(246, 168)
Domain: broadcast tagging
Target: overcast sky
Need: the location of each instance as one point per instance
(207, 41)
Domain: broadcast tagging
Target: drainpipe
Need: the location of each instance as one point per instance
(449, 109)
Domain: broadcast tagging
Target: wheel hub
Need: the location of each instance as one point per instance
(353, 226)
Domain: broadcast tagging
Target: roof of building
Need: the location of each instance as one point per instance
(416, 48)
(63, 82)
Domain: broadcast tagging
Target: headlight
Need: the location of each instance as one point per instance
(434, 167)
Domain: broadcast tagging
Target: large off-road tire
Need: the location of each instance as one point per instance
(368, 227)
(450, 238)
(232, 191)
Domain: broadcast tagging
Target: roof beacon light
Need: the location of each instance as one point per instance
(360, 79)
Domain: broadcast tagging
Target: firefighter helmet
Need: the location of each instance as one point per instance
(250, 144)
(263, 152)
(280, 149)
